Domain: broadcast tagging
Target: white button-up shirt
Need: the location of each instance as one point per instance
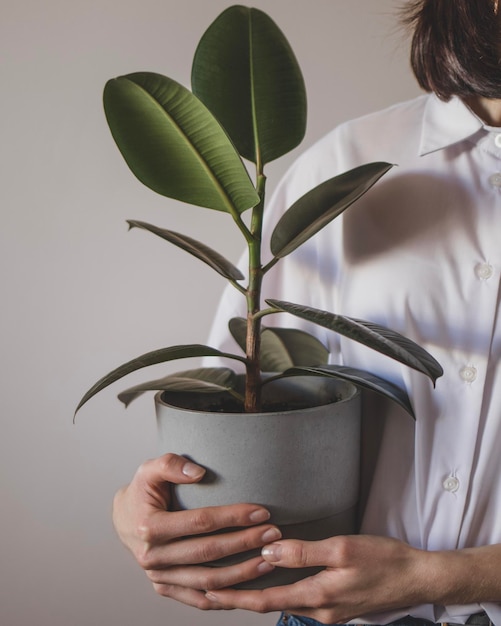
(421, 254)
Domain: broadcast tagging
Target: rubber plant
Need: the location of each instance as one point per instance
(248, 102)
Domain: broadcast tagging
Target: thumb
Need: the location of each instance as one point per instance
(151, 483)
(169, 468)
(295, 553)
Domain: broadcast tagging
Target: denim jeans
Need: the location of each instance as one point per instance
(292, 620)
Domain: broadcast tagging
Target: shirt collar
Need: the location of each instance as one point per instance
(446, 123)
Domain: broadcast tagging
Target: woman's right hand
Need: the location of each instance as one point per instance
(173, 546)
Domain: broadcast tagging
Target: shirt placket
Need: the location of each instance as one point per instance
(465, 383)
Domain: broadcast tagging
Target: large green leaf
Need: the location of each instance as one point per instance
(194, 247)
(174, 145)
(321, 205)
(238, 330)
(153, 358)
(377, 337)
(201, 380)
(282, 348)
(359, 377)
(246, 73)
(285, 347)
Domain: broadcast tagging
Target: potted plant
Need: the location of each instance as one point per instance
(248, 102)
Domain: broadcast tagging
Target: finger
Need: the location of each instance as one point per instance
(197, 550)
(164, 526)
(199, 577)
(261, 600)
(309, 592)
(191, 597)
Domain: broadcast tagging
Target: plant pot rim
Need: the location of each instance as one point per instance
(350, 390)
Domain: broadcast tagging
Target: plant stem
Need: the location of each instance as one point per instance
(253, 344)
(271, 264)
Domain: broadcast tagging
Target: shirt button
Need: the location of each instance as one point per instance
(484, 271)
(468, 373)
(497, 140)
(495, 180)
(451, 484)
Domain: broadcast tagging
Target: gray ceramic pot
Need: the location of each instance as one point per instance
(302, 464)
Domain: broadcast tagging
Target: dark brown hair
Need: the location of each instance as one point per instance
(456, 46)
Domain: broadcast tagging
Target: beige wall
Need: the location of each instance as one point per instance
(80, 295)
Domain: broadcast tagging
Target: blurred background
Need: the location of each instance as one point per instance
(80, 294)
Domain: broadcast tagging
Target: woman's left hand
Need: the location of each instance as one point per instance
(363, 574)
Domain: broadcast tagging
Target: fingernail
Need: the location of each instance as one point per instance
(210, 596)
(264, 567)
(272, 552)
(272, 534)
(192, 471)
(259, 515)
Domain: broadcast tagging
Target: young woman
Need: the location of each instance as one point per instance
(420, 253)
